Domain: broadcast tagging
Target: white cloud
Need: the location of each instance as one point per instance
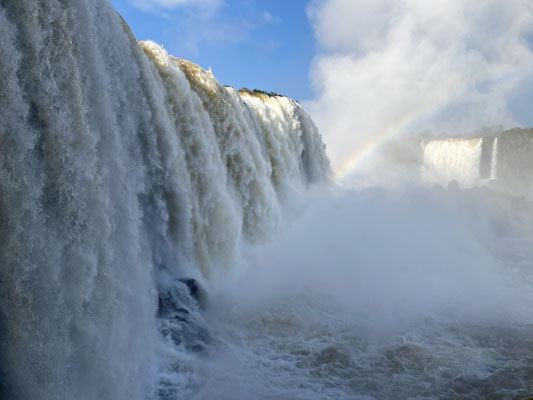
(268, 17)
(402, 65)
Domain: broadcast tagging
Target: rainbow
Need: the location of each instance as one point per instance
(381, 137)
(401, 123)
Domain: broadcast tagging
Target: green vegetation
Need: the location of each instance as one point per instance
(255, 92)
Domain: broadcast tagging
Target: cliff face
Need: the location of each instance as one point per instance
(514, 160)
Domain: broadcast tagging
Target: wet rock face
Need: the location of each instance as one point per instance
(179, 312)
(196, 291)
(4, 386)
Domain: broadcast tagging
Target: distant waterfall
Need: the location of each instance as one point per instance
(120, 165)
(494, 160)
(452, 159)
(504, 161)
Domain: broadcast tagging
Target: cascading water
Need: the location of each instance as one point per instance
(494, 160)
(138, 204)
(504, 161)
(452, 159)
(122, 169)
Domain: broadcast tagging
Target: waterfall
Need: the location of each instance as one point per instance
(122, 168)
(494, 160)
(503, 162)
(452, 159)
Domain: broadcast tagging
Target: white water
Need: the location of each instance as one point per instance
(123, 168)
(502, 162)
(452, 159)
(494, 160)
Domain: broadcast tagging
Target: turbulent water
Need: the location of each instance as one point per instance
(125, 173)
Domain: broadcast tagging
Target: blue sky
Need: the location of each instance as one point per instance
(260, 44)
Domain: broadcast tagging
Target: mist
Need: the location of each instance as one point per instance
(389, 68)
(396, 256)
(363, 281)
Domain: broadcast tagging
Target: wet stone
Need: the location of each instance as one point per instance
(180, 308)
